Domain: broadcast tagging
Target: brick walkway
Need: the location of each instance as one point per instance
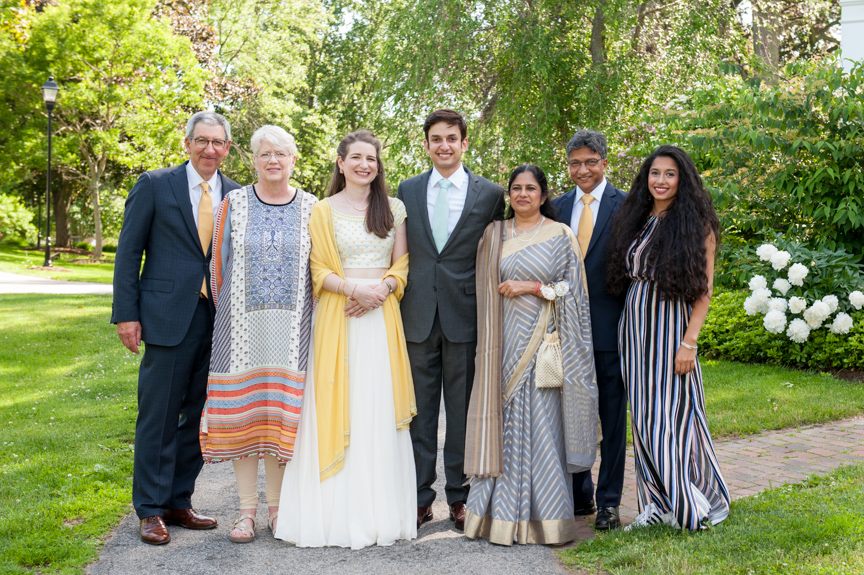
(767, 460)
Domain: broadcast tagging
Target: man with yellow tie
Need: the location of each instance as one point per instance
(588, 209)
(169, 217)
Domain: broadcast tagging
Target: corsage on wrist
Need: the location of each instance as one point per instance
(554, 290)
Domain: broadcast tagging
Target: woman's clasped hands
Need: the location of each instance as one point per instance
(365, 298)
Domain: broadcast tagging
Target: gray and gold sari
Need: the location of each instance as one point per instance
(523, 443)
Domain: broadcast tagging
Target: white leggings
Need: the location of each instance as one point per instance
(246, 471)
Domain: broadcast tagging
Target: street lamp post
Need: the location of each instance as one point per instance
(49, 94)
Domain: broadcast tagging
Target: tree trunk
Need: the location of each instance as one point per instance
(598, 40)
(62, 200)
(766, 34)
(96, 167)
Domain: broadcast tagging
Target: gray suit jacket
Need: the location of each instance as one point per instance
(158, 221)
(445, 281)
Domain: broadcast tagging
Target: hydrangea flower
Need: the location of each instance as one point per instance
(842, 323)
(777, 304)
(856, 298)
(751, 306)
(797, 304)
(832, 302)
(765, 251)
(798, 331)
(758, 282)
(816, 314)
(797, 273)
(780, 260)
(782, 285)
(775, 321)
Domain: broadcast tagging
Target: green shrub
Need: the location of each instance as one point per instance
(16, 220)
(110, 248)
(786, 157)
(729, 333)
(83, 246)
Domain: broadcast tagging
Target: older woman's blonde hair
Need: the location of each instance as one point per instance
(278, 138)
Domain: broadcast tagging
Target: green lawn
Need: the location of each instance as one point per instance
(743, 399)
(812, 528)
(67, 410)
(16, 260)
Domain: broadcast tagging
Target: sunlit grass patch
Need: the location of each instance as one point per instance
(67, 411)
(816, 527)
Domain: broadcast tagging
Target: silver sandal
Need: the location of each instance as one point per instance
(248, 532)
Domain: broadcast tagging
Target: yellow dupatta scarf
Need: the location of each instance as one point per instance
(331, 347)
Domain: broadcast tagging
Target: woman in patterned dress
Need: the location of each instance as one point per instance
(662, 254)
(352, 482)
(523, 441)
(262, 288)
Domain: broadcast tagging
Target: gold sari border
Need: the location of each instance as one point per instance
(501, 532)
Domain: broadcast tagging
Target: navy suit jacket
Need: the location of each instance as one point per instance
(605, 309)
(158, 222)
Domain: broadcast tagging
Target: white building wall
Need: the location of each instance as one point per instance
(852, 31)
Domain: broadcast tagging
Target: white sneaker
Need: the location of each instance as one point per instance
(651, 516)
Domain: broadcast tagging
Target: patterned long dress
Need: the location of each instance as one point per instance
(676, 467)
(532, 502)
(262, 289)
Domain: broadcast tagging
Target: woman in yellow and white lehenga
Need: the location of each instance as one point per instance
(352, 480)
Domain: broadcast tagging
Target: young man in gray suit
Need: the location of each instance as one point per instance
(589, 209)
(448, 210)
(170, 217)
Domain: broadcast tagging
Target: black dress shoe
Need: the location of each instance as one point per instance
(607, 518)
(587, 510)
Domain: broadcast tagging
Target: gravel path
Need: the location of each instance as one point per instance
(17, 283)
(750, 465)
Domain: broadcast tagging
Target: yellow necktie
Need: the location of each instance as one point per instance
(205, 225)
(586, 224)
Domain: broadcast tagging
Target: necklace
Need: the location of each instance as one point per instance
(518, 238)
(521, 231)
(355, 207)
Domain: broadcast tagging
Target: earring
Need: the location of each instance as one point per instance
(341, 171)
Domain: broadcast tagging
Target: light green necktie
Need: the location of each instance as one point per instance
(441, 218)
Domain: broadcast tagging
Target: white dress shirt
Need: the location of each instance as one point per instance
(578, 206)
(215, 185)
(456, 195)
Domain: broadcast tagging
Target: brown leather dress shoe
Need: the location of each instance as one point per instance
(154, 531)
(457, 515)
(189, 519)
(424, 514)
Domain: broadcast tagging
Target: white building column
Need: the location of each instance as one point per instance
(852, 31)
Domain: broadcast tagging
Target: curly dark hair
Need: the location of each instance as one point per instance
(546, 207)
(677, 250)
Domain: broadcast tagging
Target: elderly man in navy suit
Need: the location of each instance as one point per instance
(588, 209)
(170, 217)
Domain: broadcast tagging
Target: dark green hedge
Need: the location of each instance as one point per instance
(729, 333)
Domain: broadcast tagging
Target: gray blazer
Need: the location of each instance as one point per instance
(158, 221)
(445, 281)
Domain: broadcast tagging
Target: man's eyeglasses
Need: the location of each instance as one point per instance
(280, 156)
(202, 143)
(592, 163)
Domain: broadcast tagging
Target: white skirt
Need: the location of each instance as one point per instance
(372, 500)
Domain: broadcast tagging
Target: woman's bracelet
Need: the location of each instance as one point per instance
(353, 290)
(341, 289)
(688, 346)
(537, 289)
(389, 287)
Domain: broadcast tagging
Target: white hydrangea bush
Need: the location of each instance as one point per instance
(774, 306)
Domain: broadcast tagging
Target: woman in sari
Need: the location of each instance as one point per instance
(262, 288)
(352, 482)
(523, 441)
